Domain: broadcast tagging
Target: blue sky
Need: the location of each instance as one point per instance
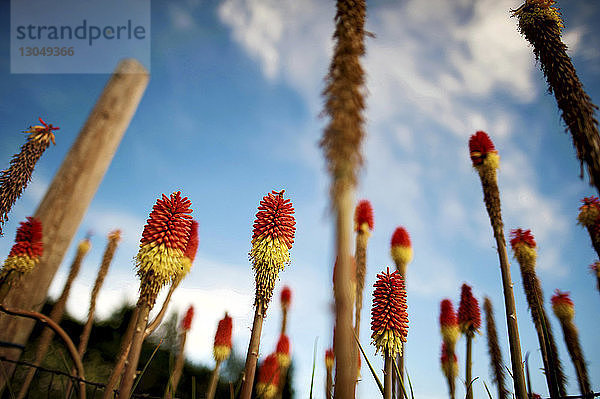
(232, 111)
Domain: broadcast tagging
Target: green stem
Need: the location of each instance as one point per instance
(468, 366)
(387, 378)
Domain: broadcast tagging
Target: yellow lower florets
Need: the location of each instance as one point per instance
(221, 352)
(402, 255)
(269, 256)
(20, 263)
(450, 368)
(388, 342)
(284, 360)
(163, 263)
(266, 391)
(526, 256)
(564, 312)
(450, 335)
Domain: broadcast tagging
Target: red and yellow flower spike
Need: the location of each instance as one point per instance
(563, 306)
(469, 315)
(482, 151)
(222, 346)
(272, 239)
(283, 351)
(268, 378)
(389, 319)
(28, 248)
(449, 362)
(186, 322)
(401, 249)
(363, 217)
(163, 244)
(190, 249)
(286, 297)
(523, 245)
(449, 324)
(589, 211)
(44, 133)
(329, 359)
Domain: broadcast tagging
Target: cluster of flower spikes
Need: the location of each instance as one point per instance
(401, 249)
(469, 315)
(483, 153)
(44, 133)
(329, 359)
(163, 244)
(286, 297)
(363, 217)
(449, 324)
(283, 351)
(272, 239)
(389, 319)
(186, 322)
(191, 248)
(268, 378)
(222, 346)
(28, 248)
(449, 362)
(589, 214)
(563, 306)
(523, 245)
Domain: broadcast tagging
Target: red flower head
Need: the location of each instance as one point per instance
(164, 240)
(28, 247)
(329, 359)
(222, 347)
(523, 245)
(286, 297)
(272, 238)
(481, 149)
(448, 323)
(449, 362)
(268, 378)
(186, 322)
(283, 351)
(42, 133)
(389, 319)
(401, 249)
(192, 245)
(589, 211)
(563, 306)
(469, 315)
(363, 217)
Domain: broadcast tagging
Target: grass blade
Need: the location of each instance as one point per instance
(399, 379)
(137, 380)
(312, 377)
(412, 394)
(471, 383)
(369, 363)
(487, 390)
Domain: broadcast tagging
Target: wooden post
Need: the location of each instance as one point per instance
(71, 192)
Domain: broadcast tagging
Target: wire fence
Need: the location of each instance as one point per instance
(52, 384)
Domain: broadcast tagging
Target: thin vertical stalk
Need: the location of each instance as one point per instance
(468, 363)
(214, 379)
(329, 384)
(135, 350)
(572, 341)
(177, 370)
(284, 317)
(387, 380)
(252, 355)
(494, 350)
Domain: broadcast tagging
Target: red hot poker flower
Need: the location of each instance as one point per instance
(286, 296)
(363, 217)
(469, 315)
(589, 211)
(523, 245)
(186, 322)
(222, 346)
(274, 219)
(563, 306)
(448, 323)
(449, 362)
(329, 358)
(283, 351)
(480, 145)
(28, 248)
(192, 245)
(389, 319)
(520, 236)
(401, 249)
(268, 377)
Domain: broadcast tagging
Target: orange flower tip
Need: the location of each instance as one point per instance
(469, 315)
(389, 318)
(186, 322)
(480, 146)
(286, 296)
(275, 220)
(192, 245)
(329, 358)
(520, 237)
(222, 346)
(169, 223)
(363, 217)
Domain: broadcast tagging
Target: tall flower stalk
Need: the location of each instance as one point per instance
(541, 24)
(329, 363)
(564, 309)
(469, 321)
(486, 161)
(221, 352)
(449, 364)
(286, 300)
(268, 378)
(342, 138)
(389, 321)
(363, 226)
(496, 363)
(23, 257)
(14, 179)
(524, 246)
(272, 239)
(56, 314)
(186, 324)
(160, 260)
(402, 254)
(450, 332)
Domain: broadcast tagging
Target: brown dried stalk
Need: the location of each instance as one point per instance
(496, 363)
(178, 368)
(214, 379)
(362, 238)
(541, 25)
(56, 314)
(341, 144)
(252, 355)
(136, 346)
